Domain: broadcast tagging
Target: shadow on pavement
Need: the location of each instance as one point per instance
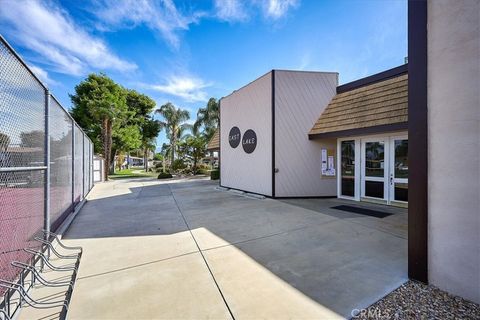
(337, 259)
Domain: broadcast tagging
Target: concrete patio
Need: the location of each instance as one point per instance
(184, 249)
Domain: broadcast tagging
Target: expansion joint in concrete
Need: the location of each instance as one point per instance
(201, 253)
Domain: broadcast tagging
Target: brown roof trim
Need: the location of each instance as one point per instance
(384, 75)
(360, 131)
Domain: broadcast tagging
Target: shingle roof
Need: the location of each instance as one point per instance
(379, 104)
(214, 143)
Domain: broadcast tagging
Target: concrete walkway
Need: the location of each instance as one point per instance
(183, 249)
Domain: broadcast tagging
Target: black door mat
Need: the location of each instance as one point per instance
(364, 211)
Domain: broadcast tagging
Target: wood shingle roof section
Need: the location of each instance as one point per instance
(383, 103)
(214, 143)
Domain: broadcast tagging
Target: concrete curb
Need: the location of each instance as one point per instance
(68, 221)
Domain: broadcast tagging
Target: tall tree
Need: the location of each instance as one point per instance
(143, 107)
(196, 149)
(149, 130)
(175, 123)
(208, 118)
(141, 104)
(125, 139)
(104, 101)
(166, 152)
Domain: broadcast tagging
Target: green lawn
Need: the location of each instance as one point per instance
(132, 173)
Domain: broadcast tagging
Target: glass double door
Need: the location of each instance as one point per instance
(384, 169)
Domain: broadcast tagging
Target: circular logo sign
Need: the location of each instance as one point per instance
(234, 137)
(249, 141)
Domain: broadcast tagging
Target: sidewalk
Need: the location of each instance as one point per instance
(182, 249)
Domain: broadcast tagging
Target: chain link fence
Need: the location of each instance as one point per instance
(45, 162)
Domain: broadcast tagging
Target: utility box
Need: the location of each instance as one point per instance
(98, 167)
(264, 145)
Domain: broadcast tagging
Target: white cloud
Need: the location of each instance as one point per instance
(189, 89)
(42, 75)
(49, 31)
(230, 10)
(276, 9)
(305, 61)
(159, 15)
(241, 10)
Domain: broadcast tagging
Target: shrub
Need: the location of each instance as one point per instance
(158, 165)
(204, 166)
(164, 175)
(202, 171)
(215, 174)
(186, 171)
(178, 164)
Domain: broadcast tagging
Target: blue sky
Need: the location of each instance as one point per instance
(187, 51)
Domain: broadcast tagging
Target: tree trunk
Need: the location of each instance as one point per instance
(194, 165)
(173, 144)
(106, 155)
(110, 141)
(145, 159)
(107, 145)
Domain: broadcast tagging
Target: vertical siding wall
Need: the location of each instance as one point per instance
(248, 108)
(300, 98)
(453, 147)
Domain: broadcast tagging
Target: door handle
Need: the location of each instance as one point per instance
(391, 179)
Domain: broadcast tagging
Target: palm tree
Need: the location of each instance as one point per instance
(196, 145)
(174, 123)
(208, 117)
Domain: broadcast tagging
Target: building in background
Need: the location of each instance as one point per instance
(369, 120)
(409, 136)
(264, 127)
(213, 149)
(313, 138)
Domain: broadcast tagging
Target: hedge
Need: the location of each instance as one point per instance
(215, 174)
(164, 175)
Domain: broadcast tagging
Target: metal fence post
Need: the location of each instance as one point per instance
(46, 209)
(73, 165)
(83, 165)
(90, 165)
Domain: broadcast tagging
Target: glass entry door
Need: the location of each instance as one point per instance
(398, 180)
(347, 166)
(375, 169)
